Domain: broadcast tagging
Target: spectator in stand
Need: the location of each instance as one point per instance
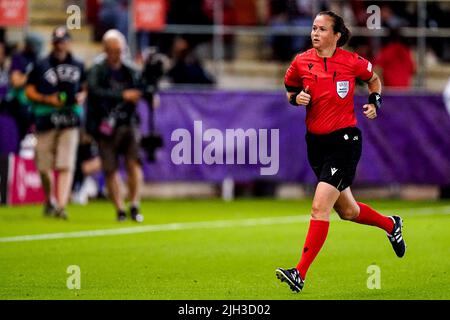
(187, 69)
(300, 15)
(390, 19)
(362, 46)
(92, 9)
(279, 19)
(113, 14)
(229, 19)
(395, 62)
(359, 12)
(189, 12)
(292, 13)
(22, 63)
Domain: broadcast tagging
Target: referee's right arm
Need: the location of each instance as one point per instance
(301, 98)
(295, 94)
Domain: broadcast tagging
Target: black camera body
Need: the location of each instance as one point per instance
(66, 94)
(151, 74)
(153, 71)
(150, 144)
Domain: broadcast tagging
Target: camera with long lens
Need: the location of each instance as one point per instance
(152, 73)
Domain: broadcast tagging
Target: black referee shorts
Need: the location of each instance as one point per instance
(335, 156)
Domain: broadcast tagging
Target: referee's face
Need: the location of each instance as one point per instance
(322, 34)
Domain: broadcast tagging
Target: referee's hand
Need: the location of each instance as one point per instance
(303, 98)
(370, 111)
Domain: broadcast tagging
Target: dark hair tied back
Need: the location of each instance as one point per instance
(338, 26)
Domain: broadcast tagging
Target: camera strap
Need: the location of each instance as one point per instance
(151, 116)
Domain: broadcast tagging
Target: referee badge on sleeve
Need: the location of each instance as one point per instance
(342, 88)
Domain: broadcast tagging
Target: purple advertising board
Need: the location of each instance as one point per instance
(409, 142)
(211, 135)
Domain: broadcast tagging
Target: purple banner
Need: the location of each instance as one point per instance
(258, 135)
(9, 135)
(408, 143)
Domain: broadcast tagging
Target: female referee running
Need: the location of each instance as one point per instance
(323, 80)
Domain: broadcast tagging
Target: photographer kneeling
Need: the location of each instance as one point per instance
(114, 90)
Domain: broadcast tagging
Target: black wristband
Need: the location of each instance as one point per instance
(293, 99)
(375, 99)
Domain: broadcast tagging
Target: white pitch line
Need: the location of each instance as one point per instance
(160, 227)
(202, 225)
(419, 211)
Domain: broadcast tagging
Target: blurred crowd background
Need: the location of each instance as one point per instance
(248, 43)
(246, 46)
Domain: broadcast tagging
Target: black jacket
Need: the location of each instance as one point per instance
(105, 95)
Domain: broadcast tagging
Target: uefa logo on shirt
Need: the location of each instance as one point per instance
(342, 88)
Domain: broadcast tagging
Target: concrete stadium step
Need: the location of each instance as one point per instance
(252, 67)
(254, 75)
(248, 47)
(48, 4)
(44, 18)
(256, 83)
(49, 12)
(437, 76)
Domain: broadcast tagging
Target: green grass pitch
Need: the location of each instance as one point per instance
(209, 249)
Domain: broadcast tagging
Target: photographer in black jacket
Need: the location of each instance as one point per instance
(114, 89)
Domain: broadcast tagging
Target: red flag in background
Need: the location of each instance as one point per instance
(13, 13)
(150, 15)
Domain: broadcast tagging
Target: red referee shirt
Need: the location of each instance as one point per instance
(331, 84)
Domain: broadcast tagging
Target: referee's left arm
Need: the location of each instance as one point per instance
(371, 108)
(374, 84)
